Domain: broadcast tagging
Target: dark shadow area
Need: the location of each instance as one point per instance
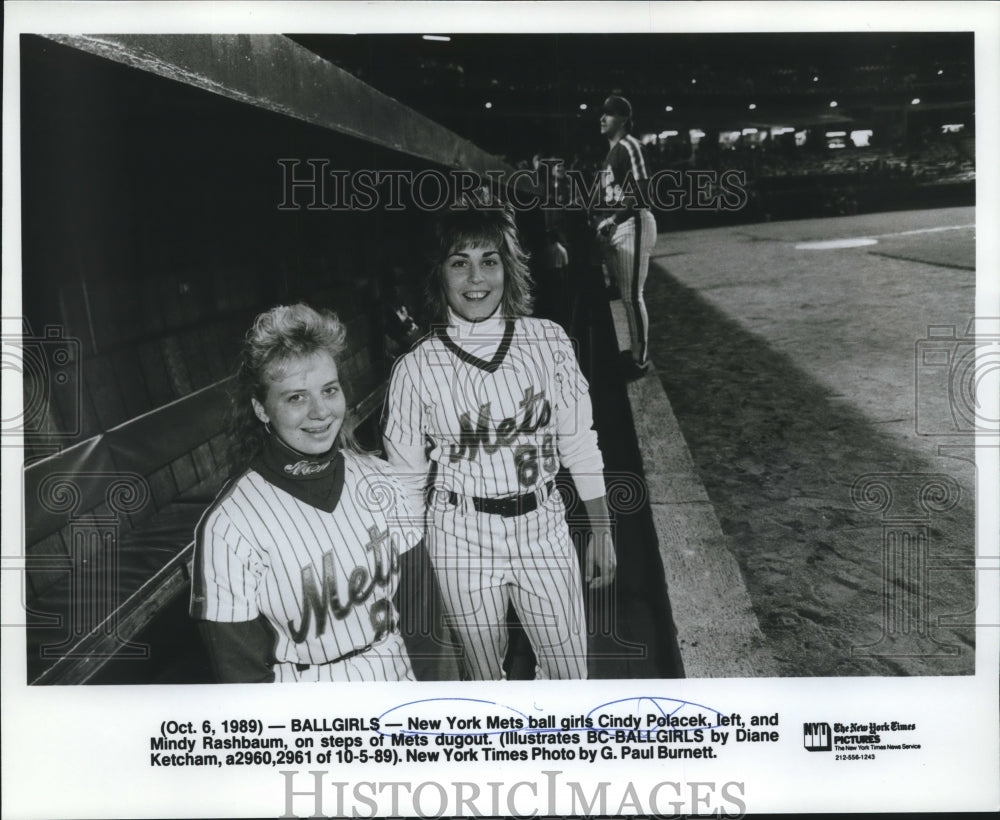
(176, 652)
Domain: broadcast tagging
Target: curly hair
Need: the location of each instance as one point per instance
(476, 224)
(276, 337)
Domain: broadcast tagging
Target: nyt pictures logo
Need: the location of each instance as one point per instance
(817, 737)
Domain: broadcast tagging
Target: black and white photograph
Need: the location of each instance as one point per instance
(612, 389)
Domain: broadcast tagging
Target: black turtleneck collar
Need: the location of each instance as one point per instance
(318, 480)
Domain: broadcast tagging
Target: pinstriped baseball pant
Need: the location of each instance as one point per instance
(628, 259)
(484, 561)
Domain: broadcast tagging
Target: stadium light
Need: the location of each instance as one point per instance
(669, 108)
(583, 106)
(815, 79)
(940, 71)
(915, 101)
(440, 38)
(694, 81)
(862, 137)
(752, 106)
(489, 105)
(833, 103)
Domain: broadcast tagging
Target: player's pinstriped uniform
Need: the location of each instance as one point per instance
(498, 424)
(633, 239)
(323, 578)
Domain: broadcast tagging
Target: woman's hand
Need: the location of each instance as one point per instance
(599, 561)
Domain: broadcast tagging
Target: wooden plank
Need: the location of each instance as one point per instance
(370, 403)
(96, 648)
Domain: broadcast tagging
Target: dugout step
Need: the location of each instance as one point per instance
(717, 630)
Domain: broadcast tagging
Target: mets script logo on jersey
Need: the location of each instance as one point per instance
(325, 601)
(306, 467)
(534, 411)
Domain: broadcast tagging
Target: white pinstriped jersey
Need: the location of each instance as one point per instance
(324, 580)
(625, 162)
(491, 425)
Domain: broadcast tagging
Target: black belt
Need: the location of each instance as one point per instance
(507, 507)
(302, 667)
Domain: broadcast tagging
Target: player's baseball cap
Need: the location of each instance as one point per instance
(618, 106)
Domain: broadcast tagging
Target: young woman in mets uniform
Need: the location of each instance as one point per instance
(297, 560)
(495, 402)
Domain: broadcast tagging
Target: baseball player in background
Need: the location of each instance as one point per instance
(495, 401)
(297, 560)
(629, 229)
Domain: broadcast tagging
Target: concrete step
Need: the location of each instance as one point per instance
(717, 629)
